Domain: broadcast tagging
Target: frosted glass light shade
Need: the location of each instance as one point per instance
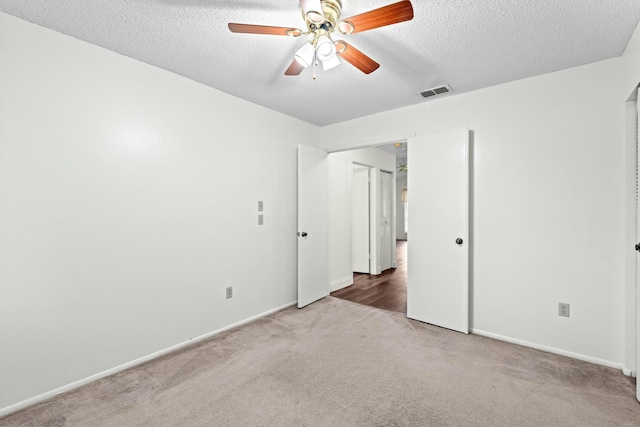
(330, 63)
(312, 10)
(325, 48)
(305, 55)
(404, 195)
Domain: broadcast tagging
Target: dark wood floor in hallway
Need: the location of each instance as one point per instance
(387, 290)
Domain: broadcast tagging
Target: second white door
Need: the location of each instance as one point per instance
(438, 255)
(313, 223)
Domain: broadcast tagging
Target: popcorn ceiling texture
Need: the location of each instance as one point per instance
(467, 45)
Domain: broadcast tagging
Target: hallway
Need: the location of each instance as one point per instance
(387, 291)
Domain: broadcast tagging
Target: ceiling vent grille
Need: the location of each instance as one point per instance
(435, 91)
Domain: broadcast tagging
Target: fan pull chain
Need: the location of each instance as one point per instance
(315, 64)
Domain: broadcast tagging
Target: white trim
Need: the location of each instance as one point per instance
(368, 143)
(340, 283)
(628, 372)
(549, 349)
(44, 396)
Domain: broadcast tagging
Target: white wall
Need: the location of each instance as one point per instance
(549, 201)
(633, 46)
(400, 184)
(128, 202)
(339, 208)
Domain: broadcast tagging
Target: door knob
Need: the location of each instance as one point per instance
(304, 234)
(459, 241)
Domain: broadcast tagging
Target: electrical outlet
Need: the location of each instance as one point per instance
(260, 219)
(260, 206)
(229, 292)
(563, 309)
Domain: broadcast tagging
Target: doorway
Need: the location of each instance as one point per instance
(384, 284)
(438, 283)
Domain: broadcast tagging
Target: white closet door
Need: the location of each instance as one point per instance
(386, 221)
(360, 239)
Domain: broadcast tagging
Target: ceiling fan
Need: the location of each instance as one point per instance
(322, 18)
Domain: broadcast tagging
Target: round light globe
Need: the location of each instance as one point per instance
(325, 48)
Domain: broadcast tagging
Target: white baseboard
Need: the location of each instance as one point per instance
(628, 372)
(44, 396)
(554, 350)
(341, 283)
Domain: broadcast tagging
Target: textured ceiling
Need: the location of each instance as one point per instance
(465, 44)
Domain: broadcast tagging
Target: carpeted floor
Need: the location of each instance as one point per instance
(337, 363)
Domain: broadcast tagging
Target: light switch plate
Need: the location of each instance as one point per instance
(260, 206)
(260, 219)
(563, 309)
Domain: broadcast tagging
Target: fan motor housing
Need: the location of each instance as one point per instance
(331, 10)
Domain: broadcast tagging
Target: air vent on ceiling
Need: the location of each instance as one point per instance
(435, 91)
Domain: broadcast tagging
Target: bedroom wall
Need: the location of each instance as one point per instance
(128, 202)
(549, 202)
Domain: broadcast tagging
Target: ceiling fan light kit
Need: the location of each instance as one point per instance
(305, 55)
(325, 48)
(322, 18)
(330, 63)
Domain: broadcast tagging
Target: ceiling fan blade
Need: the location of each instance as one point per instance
(294, 69)
(386, 15)
(264, 29)
(355, 57)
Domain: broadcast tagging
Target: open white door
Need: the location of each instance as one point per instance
(438, 252)
(637, 240)
(313, 225)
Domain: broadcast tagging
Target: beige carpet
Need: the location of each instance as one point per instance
(336, 363)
